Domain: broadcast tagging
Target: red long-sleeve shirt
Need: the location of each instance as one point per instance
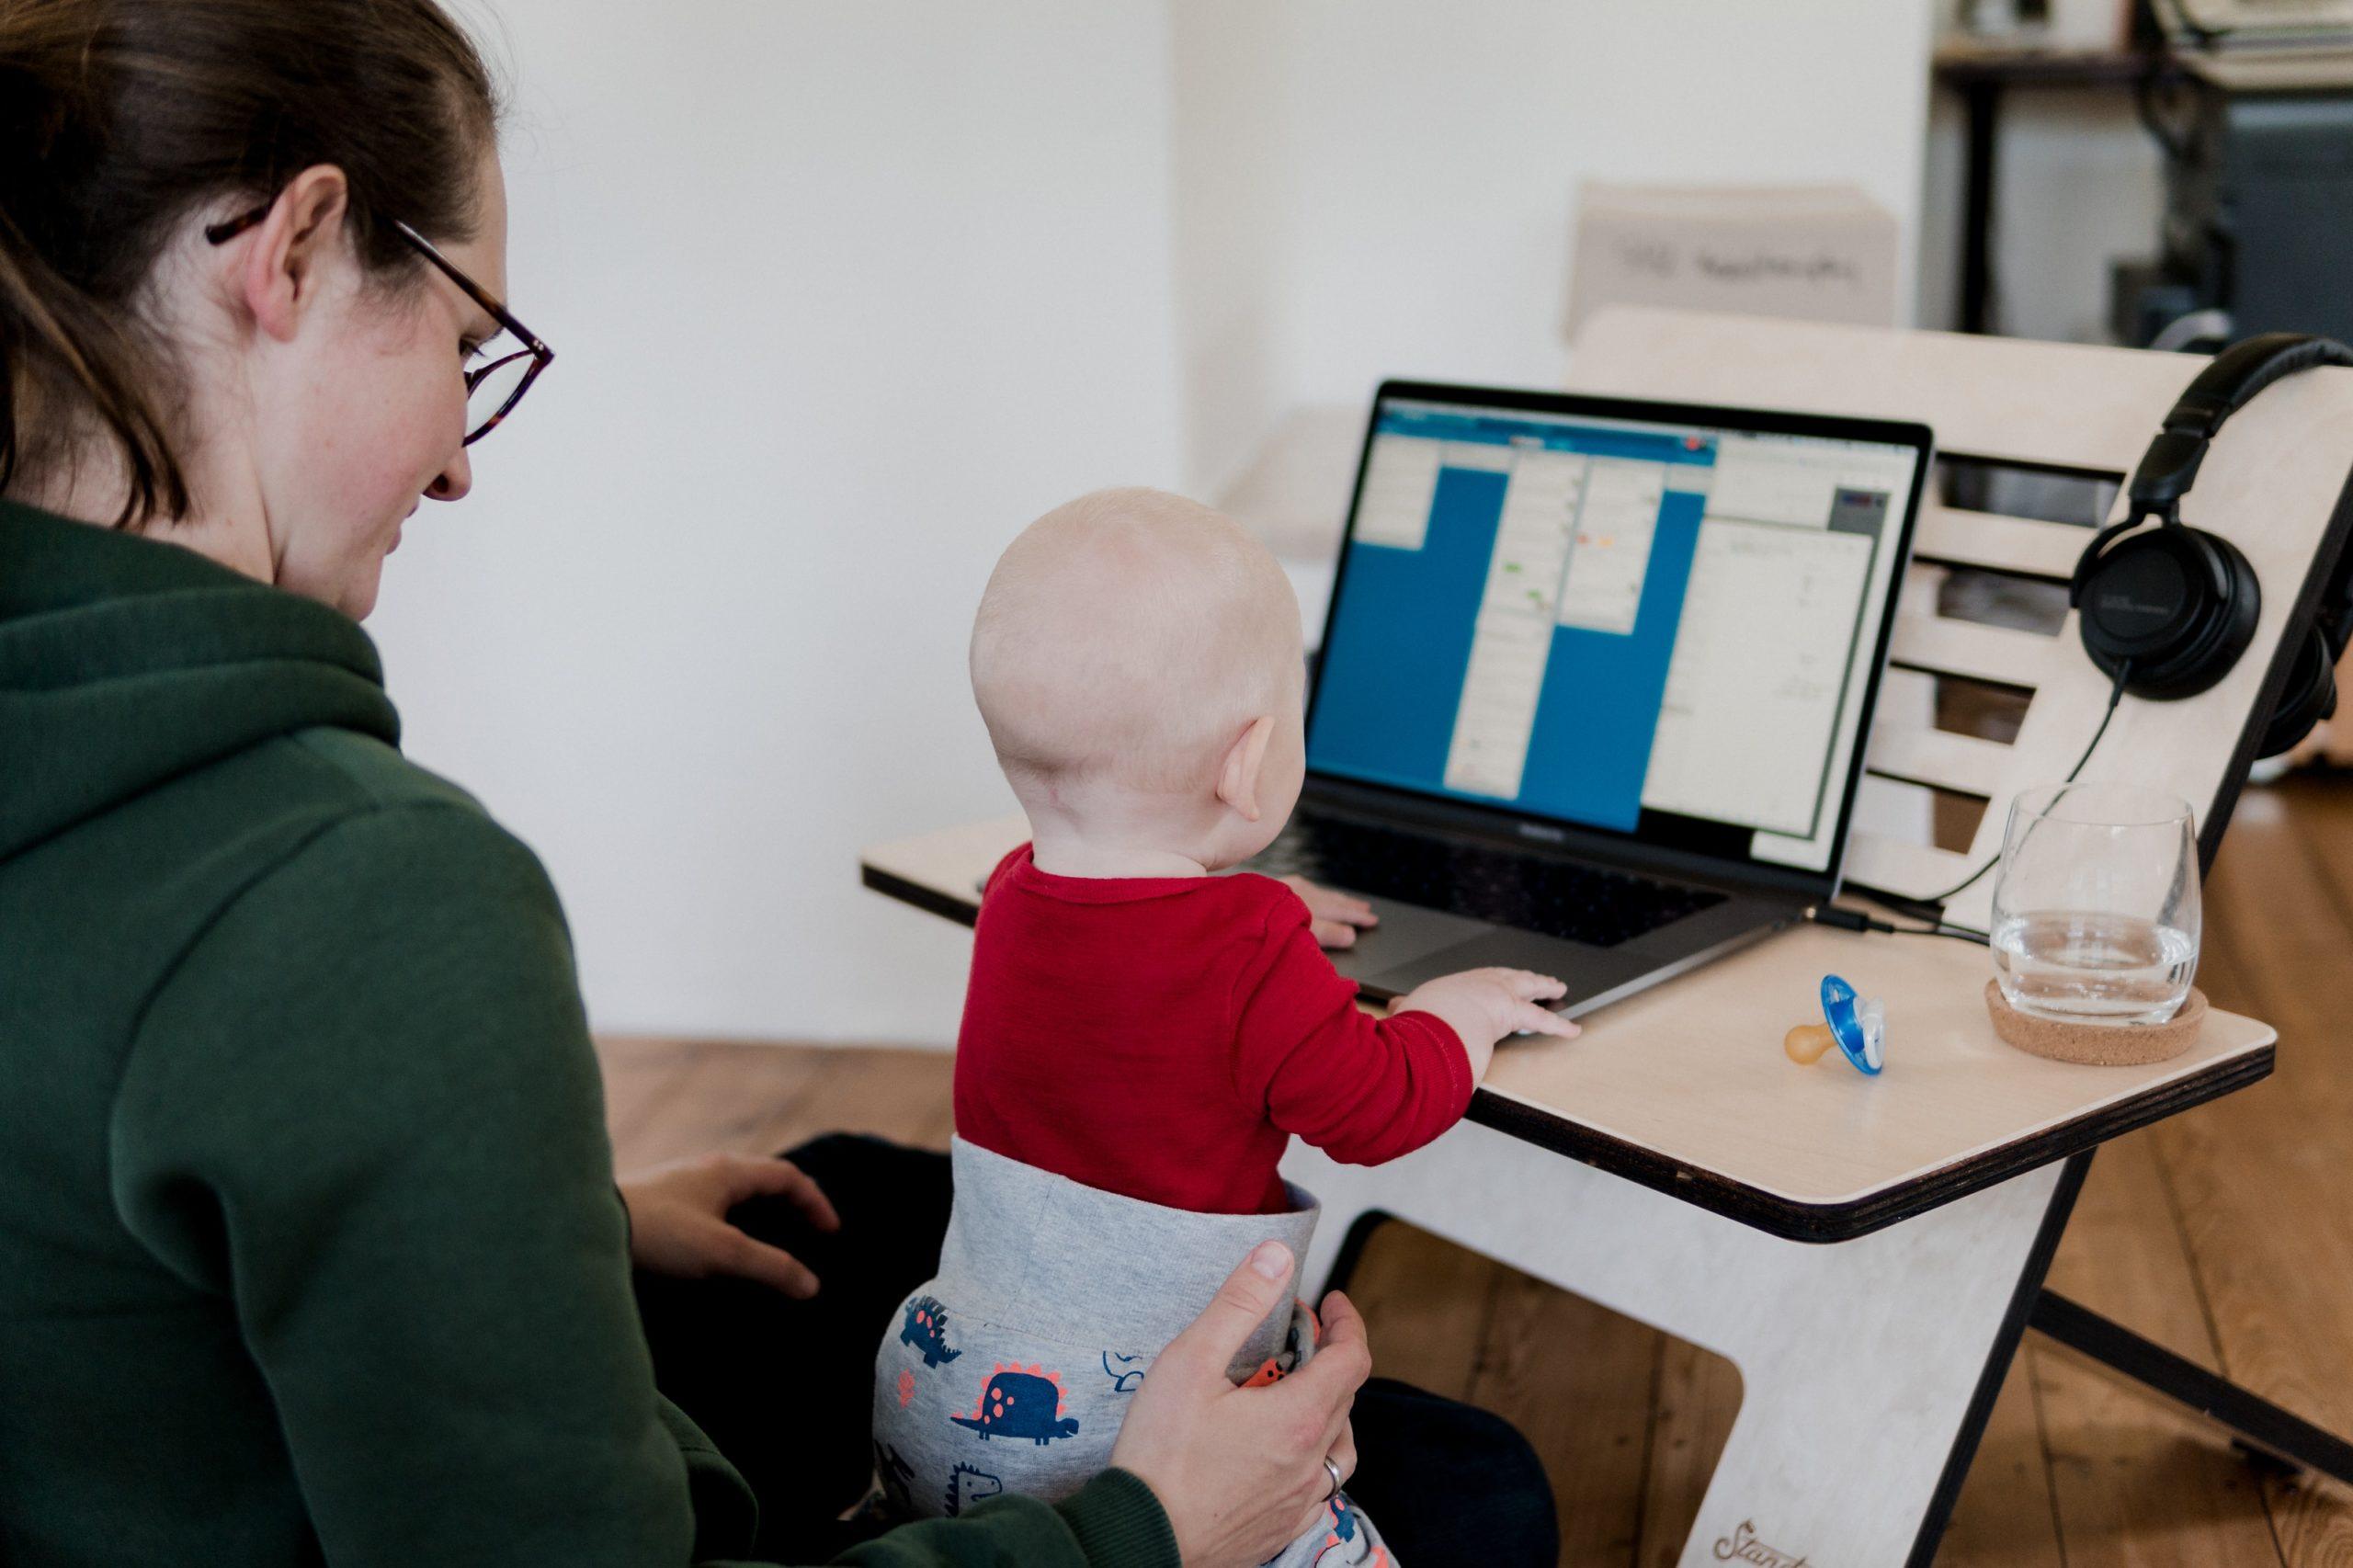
(1163, 1037)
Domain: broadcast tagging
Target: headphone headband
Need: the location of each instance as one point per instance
(2222, 389)
(2245, 368)
(2167, 611)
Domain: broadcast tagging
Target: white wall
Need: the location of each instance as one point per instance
(1380, 187)
(841, 297)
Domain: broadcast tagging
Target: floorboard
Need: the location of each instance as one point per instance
(2006, 1513)
(1699, 1394)
(1428, 1303)
(1582, 1382)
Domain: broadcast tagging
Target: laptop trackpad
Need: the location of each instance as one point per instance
(1586, 971)
(1406, 932)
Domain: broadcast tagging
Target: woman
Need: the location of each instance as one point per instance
(309, 1244)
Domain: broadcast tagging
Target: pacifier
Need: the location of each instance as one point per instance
(1856, 1025)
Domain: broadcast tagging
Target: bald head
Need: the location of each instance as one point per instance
(1129, 637)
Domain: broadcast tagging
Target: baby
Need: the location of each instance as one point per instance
(1142, 1036)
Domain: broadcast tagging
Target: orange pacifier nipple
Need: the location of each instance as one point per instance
(1806, 1043)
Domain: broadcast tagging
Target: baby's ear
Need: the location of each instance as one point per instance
(1237, 773)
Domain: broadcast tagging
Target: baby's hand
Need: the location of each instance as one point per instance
(1336, 916)
(1484, 1004)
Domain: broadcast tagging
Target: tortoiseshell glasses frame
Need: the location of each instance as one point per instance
(534, 349)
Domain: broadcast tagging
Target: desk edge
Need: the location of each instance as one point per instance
(931, 900)
(1789, 1218)
(1818, 1224)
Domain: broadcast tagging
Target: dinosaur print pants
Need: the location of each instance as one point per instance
(1011, 1370)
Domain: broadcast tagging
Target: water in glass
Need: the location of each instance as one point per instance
(2096, 913)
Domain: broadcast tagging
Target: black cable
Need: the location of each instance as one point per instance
(1958, 933)
(2115, 695)
(1844, 919)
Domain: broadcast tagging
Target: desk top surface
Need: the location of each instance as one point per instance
(1684, 1087)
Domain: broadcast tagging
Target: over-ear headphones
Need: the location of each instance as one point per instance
(2168, 610)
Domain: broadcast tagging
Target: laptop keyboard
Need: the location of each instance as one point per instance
(1581, 904)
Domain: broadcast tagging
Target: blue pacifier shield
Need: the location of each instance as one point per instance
(1856, 1026)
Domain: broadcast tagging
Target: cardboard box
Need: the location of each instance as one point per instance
(1816, 252)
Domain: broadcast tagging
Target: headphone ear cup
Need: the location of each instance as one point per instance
(2242, 606)
(2154, 599)
(2308, 697)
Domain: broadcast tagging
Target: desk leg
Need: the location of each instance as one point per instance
(2261, 1425)
(1867, 1368)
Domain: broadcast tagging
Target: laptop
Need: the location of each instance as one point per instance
(1595, 678)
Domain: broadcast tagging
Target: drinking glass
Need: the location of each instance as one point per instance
(2096, 906)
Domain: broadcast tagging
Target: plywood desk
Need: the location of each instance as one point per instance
(1946, 1182)
(1684, 1088)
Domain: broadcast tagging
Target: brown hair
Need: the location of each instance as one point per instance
(119, 118)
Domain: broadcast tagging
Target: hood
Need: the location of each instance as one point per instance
(126, 662)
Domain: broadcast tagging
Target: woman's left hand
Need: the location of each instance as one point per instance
(677, 1218)
(1338, 916)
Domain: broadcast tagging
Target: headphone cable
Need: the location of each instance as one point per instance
(1846, 919)
(1937, 899)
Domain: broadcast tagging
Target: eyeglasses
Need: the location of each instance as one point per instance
(492, 389)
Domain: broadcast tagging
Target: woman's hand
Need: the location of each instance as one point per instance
(677, 1218)
(1240, 1472)
(1338, 916)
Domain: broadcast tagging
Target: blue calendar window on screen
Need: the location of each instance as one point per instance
(1470, 655)
(1587, 619)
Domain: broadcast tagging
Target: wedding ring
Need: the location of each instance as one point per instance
(1335, 1478)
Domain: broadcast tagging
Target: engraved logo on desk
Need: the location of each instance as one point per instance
(1741, 1546)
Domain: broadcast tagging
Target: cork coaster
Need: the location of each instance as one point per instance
(2097, 1045)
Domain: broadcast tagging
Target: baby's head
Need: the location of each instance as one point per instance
(1137, 660)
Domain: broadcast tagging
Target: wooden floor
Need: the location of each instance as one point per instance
(2226, 1235)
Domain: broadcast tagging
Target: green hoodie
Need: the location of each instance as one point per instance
(309, 1244)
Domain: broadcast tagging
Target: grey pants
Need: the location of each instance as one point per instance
(1011, 1370)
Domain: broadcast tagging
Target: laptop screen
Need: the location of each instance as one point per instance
(1639, 620)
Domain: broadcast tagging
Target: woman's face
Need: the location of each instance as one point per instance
(363, 414)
